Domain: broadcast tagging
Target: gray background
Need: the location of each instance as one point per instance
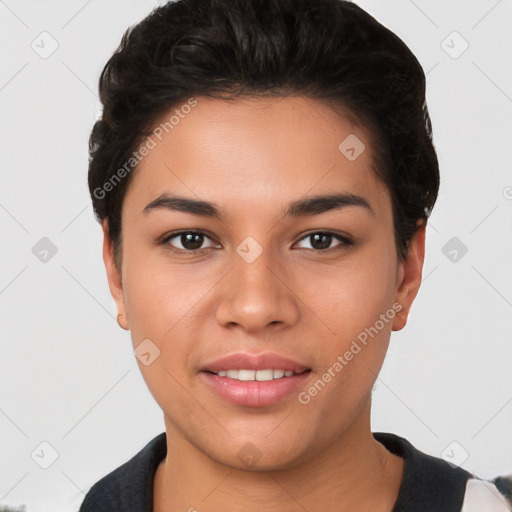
(68, 374)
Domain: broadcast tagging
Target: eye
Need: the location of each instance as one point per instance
(190, 241)
(320, 241)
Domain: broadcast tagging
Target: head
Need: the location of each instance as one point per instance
(255, 110)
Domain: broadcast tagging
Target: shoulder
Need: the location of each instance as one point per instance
(428, 482)
(483, 496)
(431, 483)
(130, 486)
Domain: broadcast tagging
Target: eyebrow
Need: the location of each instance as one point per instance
(312, 205)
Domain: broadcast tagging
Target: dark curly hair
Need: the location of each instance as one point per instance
(330, 50)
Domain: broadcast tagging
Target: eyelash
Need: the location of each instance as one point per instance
(346, 242)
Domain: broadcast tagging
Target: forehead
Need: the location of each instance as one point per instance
(259, 151)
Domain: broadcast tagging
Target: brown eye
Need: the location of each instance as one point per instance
(321, 240)
(191, 241)
(187, 241)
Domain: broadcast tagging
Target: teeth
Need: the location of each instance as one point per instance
(246, 374)
(263, 375)
(259, 375)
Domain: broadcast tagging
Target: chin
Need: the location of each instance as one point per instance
(250, 458)
(262, 452)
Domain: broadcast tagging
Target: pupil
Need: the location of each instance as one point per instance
(187, 241)
(325, 244)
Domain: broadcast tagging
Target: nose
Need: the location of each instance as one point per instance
(257, 294)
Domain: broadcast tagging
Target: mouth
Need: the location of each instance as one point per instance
(265, 375)
(254, 380)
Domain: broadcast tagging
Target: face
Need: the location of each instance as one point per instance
(222, 297)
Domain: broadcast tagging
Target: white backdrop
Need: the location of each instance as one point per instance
(68, 375)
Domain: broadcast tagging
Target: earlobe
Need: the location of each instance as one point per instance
(114, 277)
(409, 275)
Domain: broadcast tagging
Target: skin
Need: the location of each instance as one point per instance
(251, 158)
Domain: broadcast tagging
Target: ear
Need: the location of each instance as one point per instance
(114, 276)
(409, 275)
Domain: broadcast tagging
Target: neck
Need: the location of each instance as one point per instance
(356, 472)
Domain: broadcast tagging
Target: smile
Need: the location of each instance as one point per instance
(259, 375)
(255, 388)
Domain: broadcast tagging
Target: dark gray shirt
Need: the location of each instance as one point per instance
(428, 484)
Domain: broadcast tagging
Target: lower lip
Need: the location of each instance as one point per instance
(255, 393)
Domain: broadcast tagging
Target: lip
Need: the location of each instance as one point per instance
(254, 393)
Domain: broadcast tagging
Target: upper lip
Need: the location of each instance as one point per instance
(247, 361)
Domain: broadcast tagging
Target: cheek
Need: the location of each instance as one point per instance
(351, 295)
(159, 295)
(160, 301)
(354, 300)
